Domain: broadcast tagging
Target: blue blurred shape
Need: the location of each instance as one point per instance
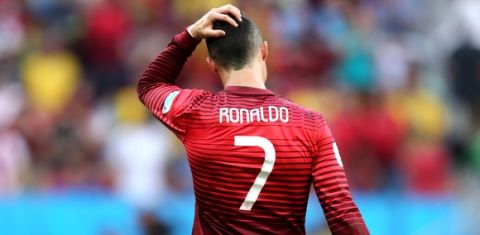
(62, 214)
(394, 214)
(94, 214)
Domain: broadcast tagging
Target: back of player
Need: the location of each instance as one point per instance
(253, 155)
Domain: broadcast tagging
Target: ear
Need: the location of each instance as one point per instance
(212, 65)
(264, 50)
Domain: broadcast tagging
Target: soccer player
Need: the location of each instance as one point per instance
(253, 154)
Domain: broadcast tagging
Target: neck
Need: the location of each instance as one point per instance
(247, 77)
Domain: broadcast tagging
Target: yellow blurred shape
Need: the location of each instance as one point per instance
(421, 111)
(128, 108)
(50, 79)
(190, 10)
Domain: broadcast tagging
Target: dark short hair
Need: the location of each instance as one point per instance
(238, 46)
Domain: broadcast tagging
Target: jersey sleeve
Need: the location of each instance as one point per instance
(157, 90)
(331, 186)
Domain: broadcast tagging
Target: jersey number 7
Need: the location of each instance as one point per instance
(267, 167)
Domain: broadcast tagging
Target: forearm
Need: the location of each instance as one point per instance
(164, 70)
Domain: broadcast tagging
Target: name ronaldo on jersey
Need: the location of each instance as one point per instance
(261, 114)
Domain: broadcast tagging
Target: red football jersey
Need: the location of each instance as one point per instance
(253, 154)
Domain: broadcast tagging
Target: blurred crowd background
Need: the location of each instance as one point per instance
(398, 81)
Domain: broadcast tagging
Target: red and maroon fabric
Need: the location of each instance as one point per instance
(224, 172)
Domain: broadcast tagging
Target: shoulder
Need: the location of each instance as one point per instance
(195, 97)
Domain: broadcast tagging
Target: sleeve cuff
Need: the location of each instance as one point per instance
(185, 40)
(190, 32)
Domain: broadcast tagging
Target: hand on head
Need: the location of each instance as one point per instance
(203, 28)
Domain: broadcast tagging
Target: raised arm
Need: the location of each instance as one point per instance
(167, 66)
(156, 88)
(331, 186)
(164, 70)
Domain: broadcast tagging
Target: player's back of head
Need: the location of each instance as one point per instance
(240, 44)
